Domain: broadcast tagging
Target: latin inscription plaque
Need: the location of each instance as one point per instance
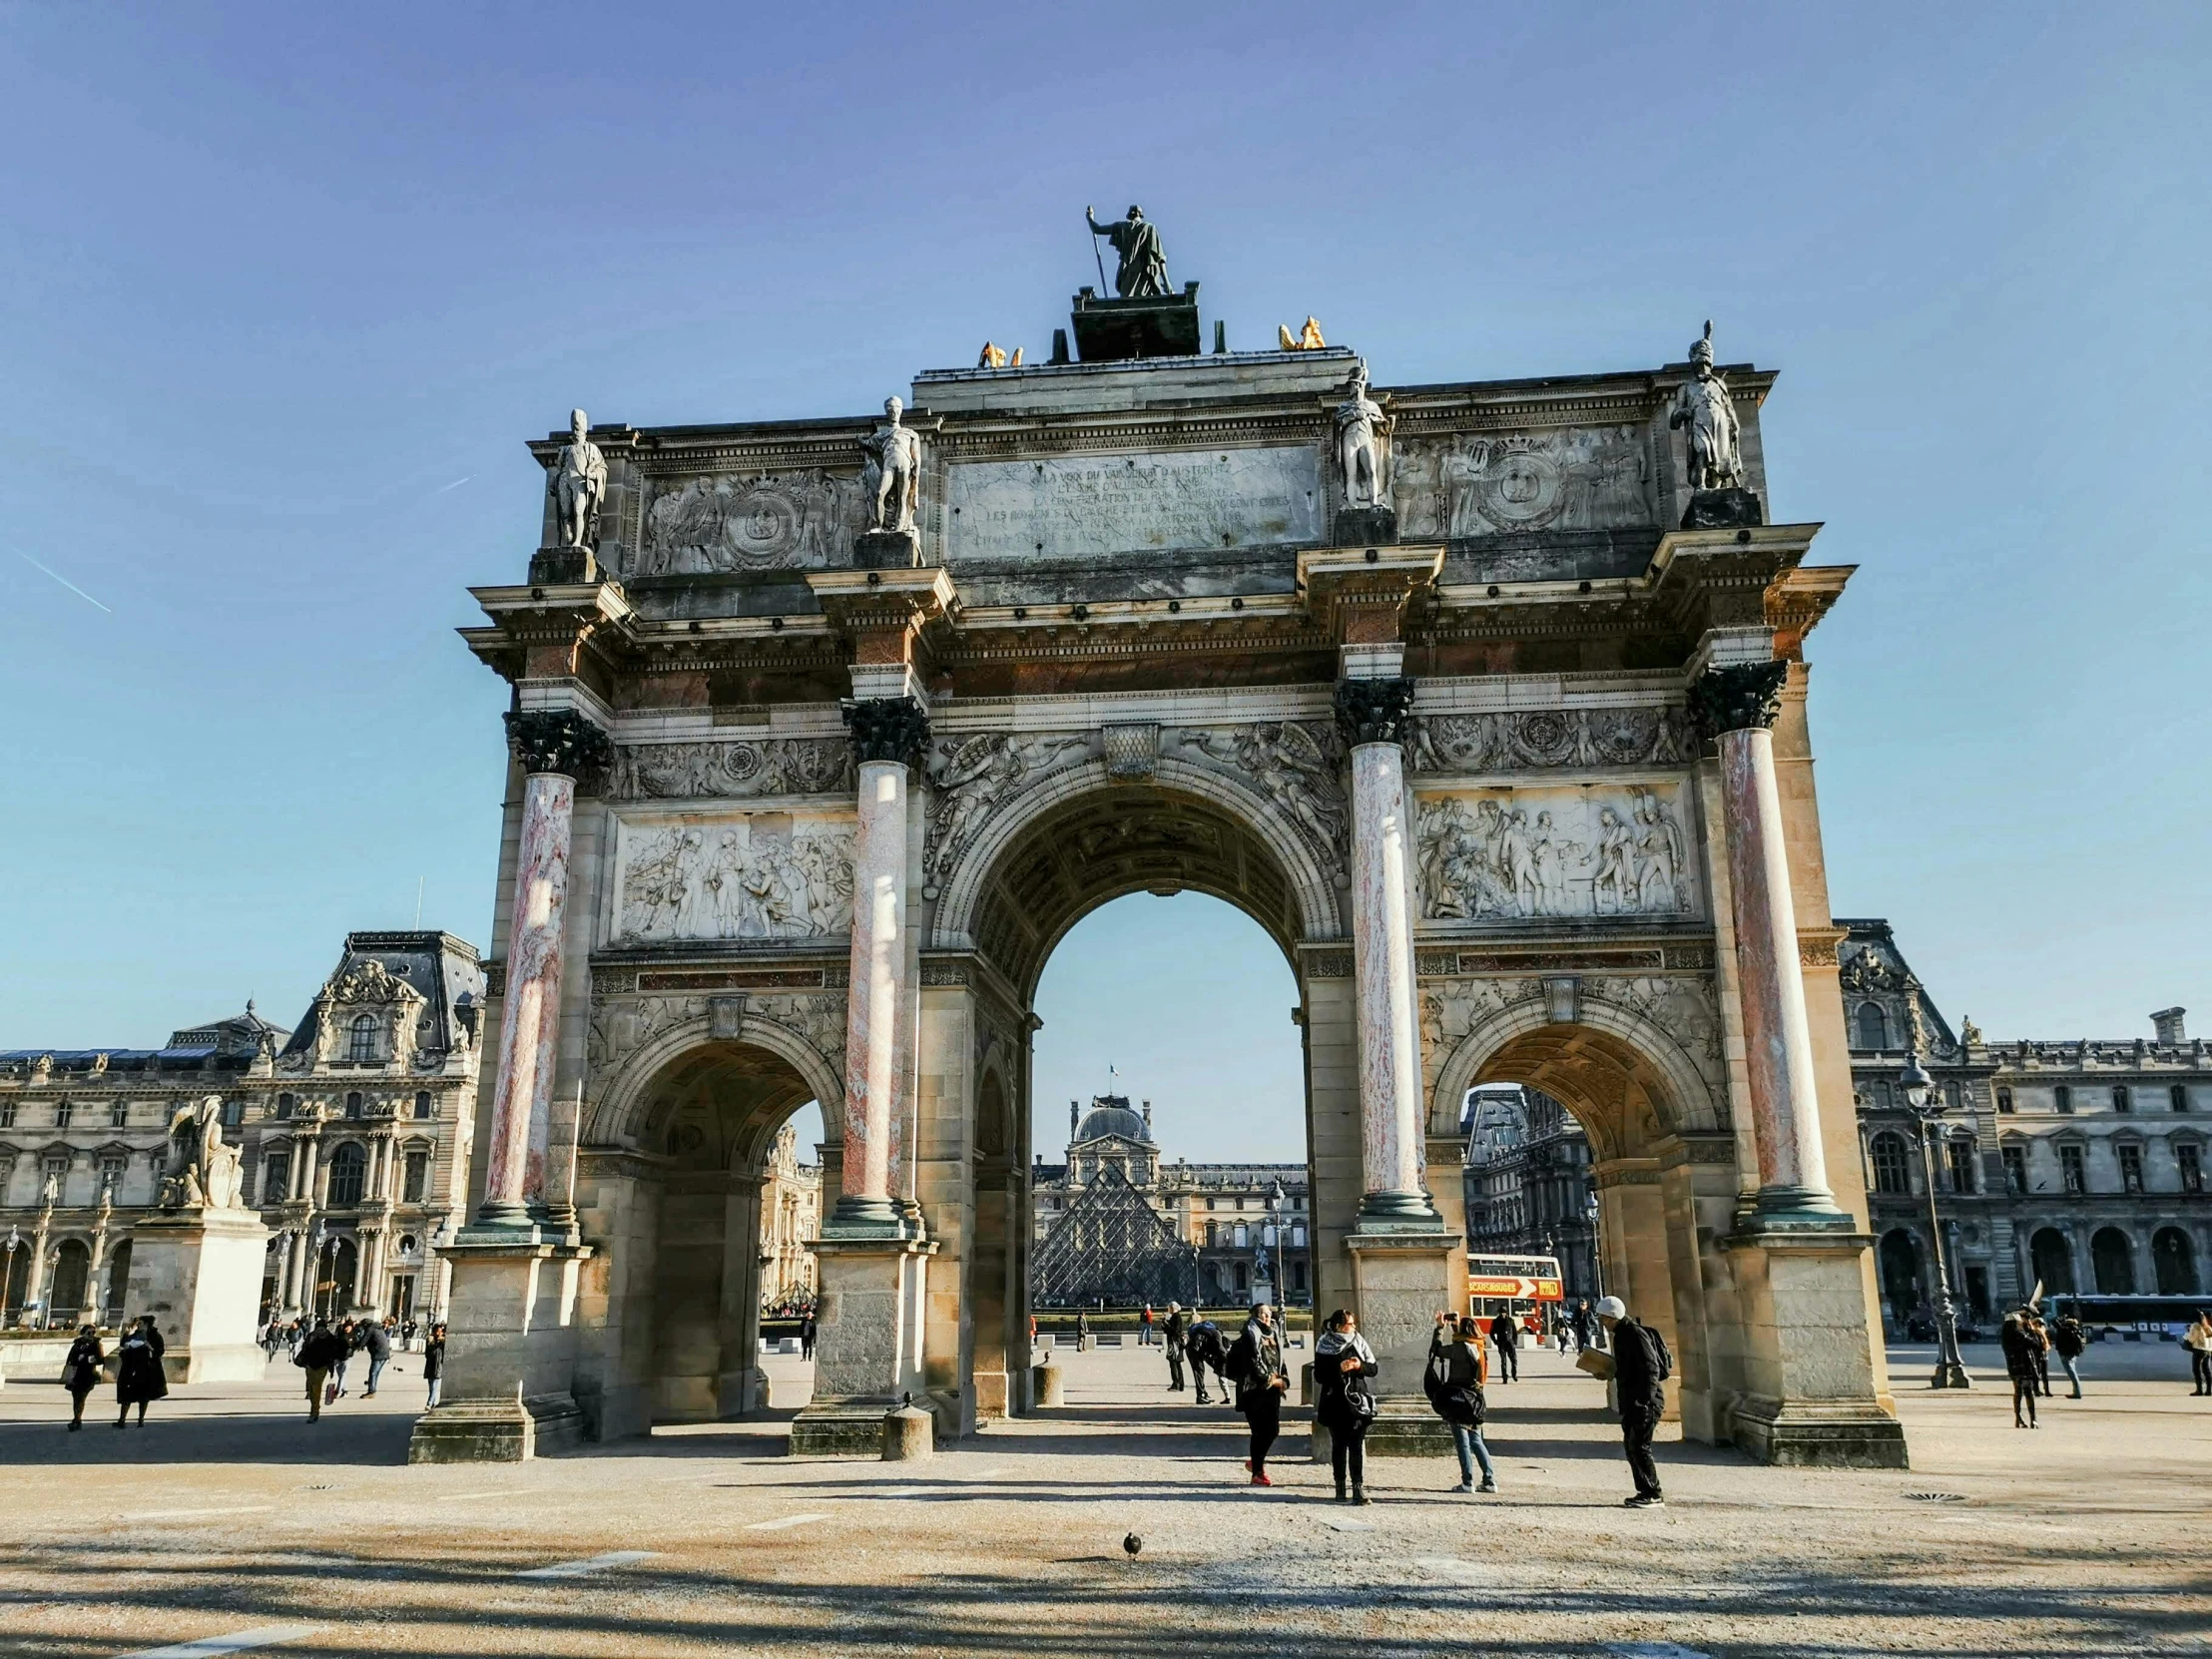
(1095, 506)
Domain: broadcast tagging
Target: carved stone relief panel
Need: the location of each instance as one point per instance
(1296, 765)
(1536, 738)
(1506, 854)
(775, 766)
(971, 777)
(763, 521)
(742, 876)
(621, 1025)
(1479, 484)
(1685, 1006)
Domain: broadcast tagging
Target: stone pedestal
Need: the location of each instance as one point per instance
(1113, 330)
(1724, 510)
(552, 567)
(1402, 1281)
(886, 550)
(910, 1436)
(868, 1344)
(1808, 1360)
(1048, 1384)
(199, 1273)
(1367, 527)
(510, 1355)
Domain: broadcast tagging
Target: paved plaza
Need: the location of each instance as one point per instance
(229, 1515)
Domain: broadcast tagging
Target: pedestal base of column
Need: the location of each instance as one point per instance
(509, 1383)
(199, 1273)
(1402, 1280)
(1794, 1210)
(1808, 1360)
(863, 1220)
(1400, 1213)
(868, 1344)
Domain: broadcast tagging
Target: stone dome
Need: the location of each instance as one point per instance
(1110, 1114)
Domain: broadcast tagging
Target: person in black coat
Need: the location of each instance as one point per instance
(1207, 1350)
(1344, 1400)
(2023, 1357)
(1506, 1343)
(433, 1362)
(375, 1341)
(319, 1356)
(1178, 1332)
(81, 1372)
(1640, 1366)
(139, 1377)
(1257, 1365)
(1453, 1384)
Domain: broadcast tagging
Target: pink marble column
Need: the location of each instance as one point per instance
(887, 733)
(552, 745)
(1739, 706)
(1373, 714)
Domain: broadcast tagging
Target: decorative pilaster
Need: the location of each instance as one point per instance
(1373, 715)
(888, 735)
(1736, 706)
(553, 746)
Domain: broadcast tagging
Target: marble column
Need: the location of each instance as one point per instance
(1737, 707)
(1373, 715)
(553, 746)
(889, 734)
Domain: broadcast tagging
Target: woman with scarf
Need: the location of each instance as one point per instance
(139, 1376)
(81, 1372)
(1344, 1400)
(1455, 1388)
(1256, 1366)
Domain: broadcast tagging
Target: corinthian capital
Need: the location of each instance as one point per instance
(1744, 697)
(1374, 711)
(556, 739)
(887, 729)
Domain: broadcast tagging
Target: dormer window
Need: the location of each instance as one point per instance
(1873, 1028)
(362, 1047)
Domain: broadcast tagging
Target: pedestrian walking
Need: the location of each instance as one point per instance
(139, 1377)
(374, 1341)
(1579, 1322)
(1453, 1384)
(1344, 1400)
(1082, 1332)
(346, 1336)
(81, 1372)
(1208, 1351)
(433, 1363)
(2040, 1334)
(322, 1352)
(1178, 1332)
(1641, 1363)
(806, 1330)
(1505, 1342)
(1255, 1365)
(2069, 1340)
(1144, 1331)
(2022, 1355)
(2198, 1341)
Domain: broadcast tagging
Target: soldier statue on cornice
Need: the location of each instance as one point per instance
(579, 485)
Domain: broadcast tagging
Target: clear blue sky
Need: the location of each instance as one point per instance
(286, 287)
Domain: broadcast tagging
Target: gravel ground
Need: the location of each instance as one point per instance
(230, 1513)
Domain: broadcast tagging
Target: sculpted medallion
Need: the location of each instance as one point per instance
(722, 523)
(1542, 738)
(1589, 478)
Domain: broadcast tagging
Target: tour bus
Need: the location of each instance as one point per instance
(2129, 1318)
(1515, 1286)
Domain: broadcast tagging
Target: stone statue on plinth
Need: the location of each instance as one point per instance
(1366, 517)
(1713, 446)
(579, 485)
(207, 1171)
(892, 487)
(1143, 270)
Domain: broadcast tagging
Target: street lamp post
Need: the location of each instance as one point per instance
(1926, 1107)
(12, 1243)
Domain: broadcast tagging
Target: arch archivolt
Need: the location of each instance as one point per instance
(1637, 1058)
(640, 1045)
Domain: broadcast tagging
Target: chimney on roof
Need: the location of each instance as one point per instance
(2167, 1023)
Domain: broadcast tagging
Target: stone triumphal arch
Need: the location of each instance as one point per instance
(824, 732)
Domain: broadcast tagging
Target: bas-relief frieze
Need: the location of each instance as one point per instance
(720, 523)
(1563, 850)
(1296, 765)
(969, 777)
(1099, 507)
(1685, 1006)
(734, 769)
(752, 875)
(1537, 739)
(622, 1025)
(1591, 478)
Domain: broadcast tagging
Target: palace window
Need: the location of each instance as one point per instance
(7, 1114)
(1874, 1029)
(2070, 1167)
(64, 1111)
(2005, 1100)
(2131, 1167)
(1244, 1238)
(110, 1171)
(2061, 1098)
(348, 1170)
(424, 1105)
(1887, 1152)
(1213, 1234)
(2016, 1170)
(2121, 1100)
(2189, 1158)
(353, 1104)
(416, 1177)
(1297, 1238)
(286, 1104)
(234, 1113)
(2178, 1097)
(1211, 1202)
(1958, 1160)
(118, 1114)
(363, 1043)
(276, 1178)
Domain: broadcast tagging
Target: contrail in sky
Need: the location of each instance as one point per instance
(454, 486)
(65, 581)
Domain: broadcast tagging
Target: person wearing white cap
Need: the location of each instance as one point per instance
(1641, 1363)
